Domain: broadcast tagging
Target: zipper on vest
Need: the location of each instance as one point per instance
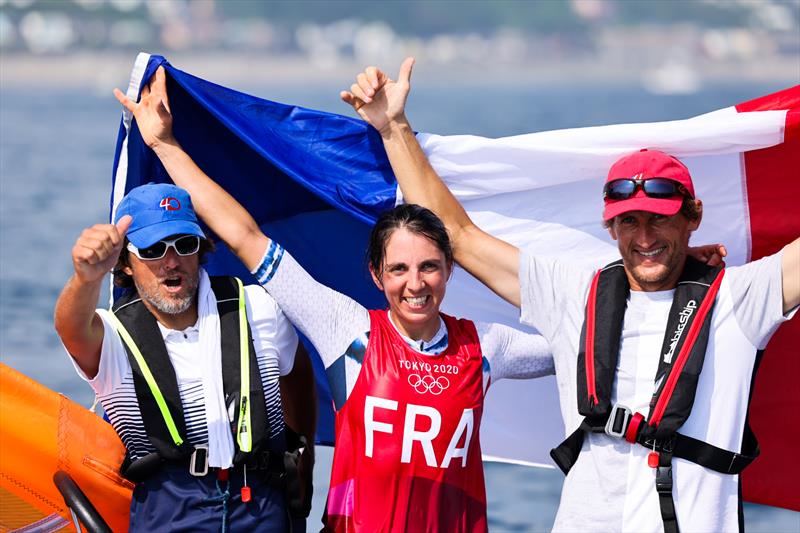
(589, 341)
(243, 417)
(686, 349)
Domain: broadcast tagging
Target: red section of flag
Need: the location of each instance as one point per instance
(773, 196)
(772, 478)
(785, 99)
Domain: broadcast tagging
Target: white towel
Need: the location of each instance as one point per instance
(220, 441)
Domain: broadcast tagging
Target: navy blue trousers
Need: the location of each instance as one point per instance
(174, 500)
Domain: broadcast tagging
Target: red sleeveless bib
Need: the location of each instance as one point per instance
(407, 454)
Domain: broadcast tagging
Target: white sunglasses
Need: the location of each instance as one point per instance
(183, 245)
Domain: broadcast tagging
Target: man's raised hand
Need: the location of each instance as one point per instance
(152, 113)
(711, 254)
(378, 99)
(97, 249)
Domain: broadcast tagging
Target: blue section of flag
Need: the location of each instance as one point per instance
(294, 169)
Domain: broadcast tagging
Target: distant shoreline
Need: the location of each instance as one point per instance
(100, 71)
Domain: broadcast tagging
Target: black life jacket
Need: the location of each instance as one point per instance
(680, 362)
(142, 327)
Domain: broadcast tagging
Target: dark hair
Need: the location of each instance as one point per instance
(125, 281)
(415, 219)
(689, 209)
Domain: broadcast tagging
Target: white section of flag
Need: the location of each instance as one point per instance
(542, 192)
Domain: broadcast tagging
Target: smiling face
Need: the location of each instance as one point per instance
(168, 287)
(653, 247)
(413, 278)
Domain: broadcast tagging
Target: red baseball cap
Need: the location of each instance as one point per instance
(643, 165)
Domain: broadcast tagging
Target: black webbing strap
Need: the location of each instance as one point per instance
(298, 490)
(681, 446)
(664, 489)
(709, 456)
(292, 482)
(566, 454)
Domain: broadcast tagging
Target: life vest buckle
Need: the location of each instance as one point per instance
(618, 420)
(198, 462)
(664, 479)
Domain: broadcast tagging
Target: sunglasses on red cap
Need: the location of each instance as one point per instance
(625, 188)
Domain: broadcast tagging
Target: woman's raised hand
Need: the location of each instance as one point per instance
(378, 99)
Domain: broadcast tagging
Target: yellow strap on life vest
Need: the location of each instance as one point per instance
(244, 435)
(148, 376)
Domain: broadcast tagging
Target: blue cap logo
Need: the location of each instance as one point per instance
(159, 210)
(170, 204)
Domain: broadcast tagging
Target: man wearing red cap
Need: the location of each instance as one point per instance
(654, 353)
(642, 184)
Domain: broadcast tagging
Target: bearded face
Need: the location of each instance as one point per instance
(169, 285)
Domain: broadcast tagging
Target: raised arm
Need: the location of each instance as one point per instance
(381, 102)
(790, 268)
(329, 319)
(95, 253)
(223, 214)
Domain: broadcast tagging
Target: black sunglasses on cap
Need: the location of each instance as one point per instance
(183, 245)
(622, 189)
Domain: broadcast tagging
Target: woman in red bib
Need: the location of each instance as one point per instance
(408, 382)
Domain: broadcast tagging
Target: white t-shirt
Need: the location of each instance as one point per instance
(275, 343)
(610, 487)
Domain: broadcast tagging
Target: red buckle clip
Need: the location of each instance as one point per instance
(633, 427)
(222, 474)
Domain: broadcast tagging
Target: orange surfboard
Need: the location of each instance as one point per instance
(42, 432)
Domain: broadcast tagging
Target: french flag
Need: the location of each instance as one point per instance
(316, 182)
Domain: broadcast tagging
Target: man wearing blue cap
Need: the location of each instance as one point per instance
(187, 369)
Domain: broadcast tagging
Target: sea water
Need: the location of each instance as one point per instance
(56, 156)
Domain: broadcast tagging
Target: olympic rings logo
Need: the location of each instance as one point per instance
(423, 384)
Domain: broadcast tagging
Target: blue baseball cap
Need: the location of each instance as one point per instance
(159, 210)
